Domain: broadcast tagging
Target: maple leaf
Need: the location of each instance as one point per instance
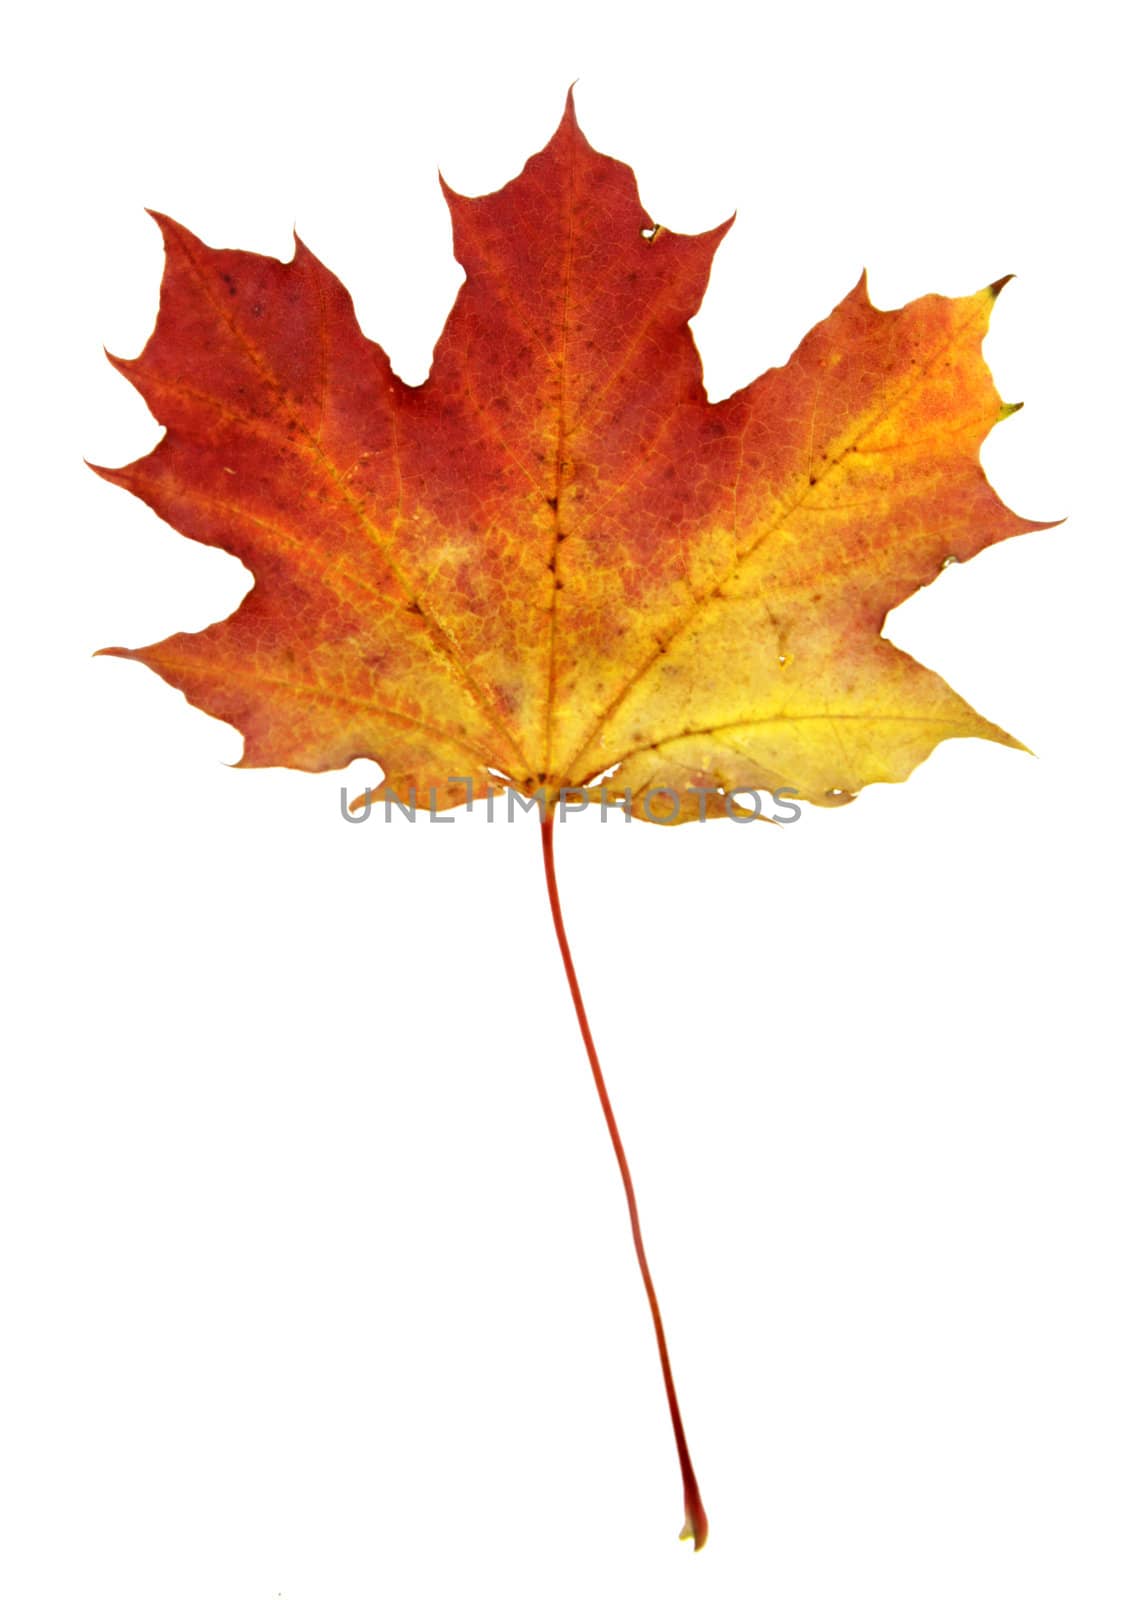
(555, 558)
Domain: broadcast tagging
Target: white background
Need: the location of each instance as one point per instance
(316, 1273)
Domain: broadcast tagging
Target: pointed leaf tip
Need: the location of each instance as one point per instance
(995, 289)
(120, 364)
(568, 128)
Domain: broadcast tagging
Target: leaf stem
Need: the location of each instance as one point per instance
(696, 1520)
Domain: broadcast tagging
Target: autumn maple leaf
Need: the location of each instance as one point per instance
(555, 558)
